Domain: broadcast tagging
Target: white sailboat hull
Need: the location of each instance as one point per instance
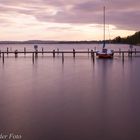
(105, 53)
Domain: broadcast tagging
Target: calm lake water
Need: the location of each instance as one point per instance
(79, 99)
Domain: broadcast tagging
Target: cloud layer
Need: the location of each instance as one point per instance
(122, 14)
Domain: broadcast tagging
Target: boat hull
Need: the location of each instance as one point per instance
(105, 55)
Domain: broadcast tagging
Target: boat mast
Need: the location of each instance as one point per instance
(104, 27)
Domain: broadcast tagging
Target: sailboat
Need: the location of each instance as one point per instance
(105, 53)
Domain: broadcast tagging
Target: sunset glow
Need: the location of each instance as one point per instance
(67, 20)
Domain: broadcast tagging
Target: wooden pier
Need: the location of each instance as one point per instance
(54, 52)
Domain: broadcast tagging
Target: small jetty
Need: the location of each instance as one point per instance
(36, 53)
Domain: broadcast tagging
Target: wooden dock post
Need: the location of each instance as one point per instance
(16, 53)
(88, 51)
(131, 52)
(62, 57)
(74, 53)
(53, 53)
(128, 52)
(119, 51)
(92, 54)
(42, 51)
(33, 57)
(57, 51)
(123, 56)
(24, 51)
(135, 51)
(3, 57)
(7, 51)
(36, 53)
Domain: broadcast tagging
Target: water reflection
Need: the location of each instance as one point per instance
(75, 99)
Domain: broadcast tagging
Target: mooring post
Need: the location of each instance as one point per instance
(0, 53)
(53, 53)
(42, 50)
(88, 51)
(16, 53)
(62, 57)
(36, 53)
(24, 51)
(91, 53)
(73, 52)
(131, 52)
(57, 51)
(135, 51)
(128, 52)
(7, 50)
(123, 56)
(33, 57)
(119, 51)
(3, 57)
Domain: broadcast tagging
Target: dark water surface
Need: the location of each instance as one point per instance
(75, 100)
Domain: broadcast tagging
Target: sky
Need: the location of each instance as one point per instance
(67, 19)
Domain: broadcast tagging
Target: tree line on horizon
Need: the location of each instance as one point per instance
(133, 39)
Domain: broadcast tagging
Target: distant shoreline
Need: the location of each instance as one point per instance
(133, 40)
(56, 42)
(50, 42)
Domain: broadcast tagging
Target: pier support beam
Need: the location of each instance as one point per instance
(119, 51)
(57, 51)
(53, 53)
(131, 53)
(3, 57)
(92, 54)
(74, 53)
(128, 52)
(135, 51)
(36, 53)
(7, 51)
(24, 51)
(123, 56)
(33, 57)
(62, 57)
(16, 53)
(42, 51)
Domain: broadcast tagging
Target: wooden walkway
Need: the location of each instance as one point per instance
(35, 54)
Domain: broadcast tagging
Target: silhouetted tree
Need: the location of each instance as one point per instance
(134, 39)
